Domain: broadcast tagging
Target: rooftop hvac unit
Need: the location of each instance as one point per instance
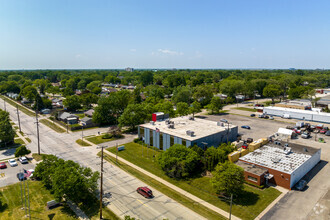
(170, 126)
(190, 133)
(152, 122)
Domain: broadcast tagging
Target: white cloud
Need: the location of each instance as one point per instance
(170, 52)
(132, 50)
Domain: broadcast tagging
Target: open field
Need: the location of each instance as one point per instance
(200, 209)
(247, 206)
(53, 126)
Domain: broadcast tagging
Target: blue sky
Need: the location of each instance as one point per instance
(45, 34)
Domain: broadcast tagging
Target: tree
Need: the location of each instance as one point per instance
(272, 91)
(182, 94)
(228, 178)
(178, 161)
(213, 156)
(67, 179)
(21, 151)
(29, 92)
(195, 108)
(133, 115)
(72, 103)
(215, 105)
(7, 132)
(146, 78)
(87, 99)
(203, 94)
(166, 107)
(182, 108)
(53, 90)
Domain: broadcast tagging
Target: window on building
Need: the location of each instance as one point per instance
(184, 142)
(161, 141)
(151, 137)
(252, 179)
(141, 132)
(171, 140)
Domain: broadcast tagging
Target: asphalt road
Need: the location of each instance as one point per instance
(121, 186)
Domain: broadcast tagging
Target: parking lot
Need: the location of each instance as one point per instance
(8, 175)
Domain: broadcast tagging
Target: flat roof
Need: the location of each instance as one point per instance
(251, 168)
(311, 112)
(278, 157)
(200, 127)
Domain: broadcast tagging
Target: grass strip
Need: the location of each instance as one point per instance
(37, 157)
(52, 125)
(28, 139)
(196, 207)
(20, 107)
(83, 143)
(246, 109)
(19, 141)
(99, 139)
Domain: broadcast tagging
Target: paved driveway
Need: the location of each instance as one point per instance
(8, 175)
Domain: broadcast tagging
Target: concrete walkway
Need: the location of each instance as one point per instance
(77, 210)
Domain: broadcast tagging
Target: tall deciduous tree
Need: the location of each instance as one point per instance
(133, 115)
(182, 108)
(272, 91)
(228, 178)
(7, 133)
(72, 103)
(178, 161)
(215, 105)
(195, 108)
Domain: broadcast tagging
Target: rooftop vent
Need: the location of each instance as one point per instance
(152, 122)
(190, 133)
(305, 149)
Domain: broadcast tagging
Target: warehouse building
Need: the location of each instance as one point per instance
(308, 115)
(279, 163)
(186, 131)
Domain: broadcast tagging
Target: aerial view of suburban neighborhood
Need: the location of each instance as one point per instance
(164, 110)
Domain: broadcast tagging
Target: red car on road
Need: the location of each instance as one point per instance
(145, 191)
(3, 165)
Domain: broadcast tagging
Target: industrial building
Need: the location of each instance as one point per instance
(279, 163)
(187, 131)
(308, 115)
(302, 104)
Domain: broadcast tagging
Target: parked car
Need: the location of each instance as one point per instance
(266, 117)
(30, 172)
(297, 131)
(305, 135)
(21, 176)
(145, 191)
(313, 126)
(301, 185)
(271, 118)
(289, 127)
(323, 131)
(261, 116)
(245, 127)
(327, 133)
(223, 120)
(3, 165)
(12, 162)
(253, 115)
(249, 140)
(23, 160)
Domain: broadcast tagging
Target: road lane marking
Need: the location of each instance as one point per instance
(142, 203)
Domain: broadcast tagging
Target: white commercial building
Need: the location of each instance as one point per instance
(308, 115)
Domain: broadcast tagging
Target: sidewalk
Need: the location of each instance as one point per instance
(77, 210)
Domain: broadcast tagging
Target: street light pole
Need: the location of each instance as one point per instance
(231, 204)
(37, 122)
(4, 103)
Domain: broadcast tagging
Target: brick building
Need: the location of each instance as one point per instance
(282, 164)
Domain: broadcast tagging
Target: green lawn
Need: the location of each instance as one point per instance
(83, 143)
(82, 115)
(99, 139)
(39, 196)
(196, 207)
(246, 109)
(19, 141)
(21, 108)
(28, 139)
(247, 206)
(37, 157)
(52, 125)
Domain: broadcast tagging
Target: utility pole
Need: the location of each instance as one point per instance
(231, 204)
(4, 103)
(19, 122)
(37, 122)
(101, 185)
